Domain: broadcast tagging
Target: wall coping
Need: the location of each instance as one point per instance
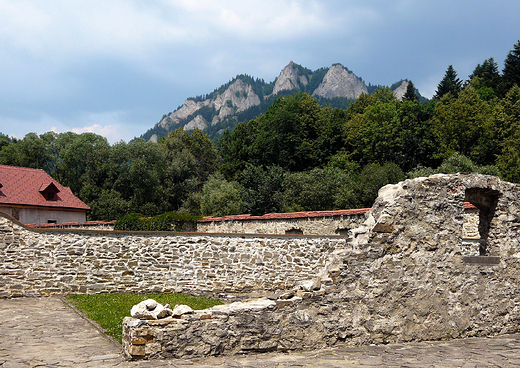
(287, 215)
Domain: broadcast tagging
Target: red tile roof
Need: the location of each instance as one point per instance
(24, 186)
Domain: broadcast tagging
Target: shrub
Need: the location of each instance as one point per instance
(169, 221)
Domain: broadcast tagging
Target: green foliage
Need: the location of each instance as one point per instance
(450, 84)
(318, 189)
(457, 163)
(508, 120)
(316, 79)
(139, 176)
(380, 129)
(511, 71)
(169, 221)
(411, 93)
(108, 310)
(466, 125)
(296, 133)
(220, 197)
(261, 189)
(486, 79)
(454, 164)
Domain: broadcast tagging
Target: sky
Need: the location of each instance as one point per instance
(114, 67)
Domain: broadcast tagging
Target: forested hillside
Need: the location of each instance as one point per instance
(298, 155)
(244, 98)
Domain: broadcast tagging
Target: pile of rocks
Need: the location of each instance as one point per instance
(149, 309)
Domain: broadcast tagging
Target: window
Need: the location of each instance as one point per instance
(49, 191)
(485, 200)
(294, 231)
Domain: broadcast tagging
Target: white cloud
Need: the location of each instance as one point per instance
(60, 30)
(111, 132)
(113, 125)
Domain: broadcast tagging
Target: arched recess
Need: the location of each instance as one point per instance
(486, 201)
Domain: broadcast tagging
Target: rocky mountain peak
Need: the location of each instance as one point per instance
(339, 82)
(289, 79)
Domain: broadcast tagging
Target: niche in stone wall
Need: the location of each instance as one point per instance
(294, 231)
(342, 231)
(476, 227)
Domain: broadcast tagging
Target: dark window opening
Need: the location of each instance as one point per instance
(49, 192)
(486, 201)
(294, 231)
(342, 231)
(52, 221)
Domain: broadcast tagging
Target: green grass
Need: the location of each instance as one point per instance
(108, 310)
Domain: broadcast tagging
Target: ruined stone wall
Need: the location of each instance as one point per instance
(402, 277)
(42, 262)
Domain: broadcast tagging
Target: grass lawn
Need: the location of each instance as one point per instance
(108, 310)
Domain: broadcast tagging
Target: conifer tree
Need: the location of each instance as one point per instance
(511, 72)
(488, 74)
(410, 92)
(450, 83)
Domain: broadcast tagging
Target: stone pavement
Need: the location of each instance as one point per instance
(43, 332)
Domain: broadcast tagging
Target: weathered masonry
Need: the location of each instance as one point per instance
(307, 223)
(36, 262)
(403, 276)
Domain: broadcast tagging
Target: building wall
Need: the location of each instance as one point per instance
(38, 216)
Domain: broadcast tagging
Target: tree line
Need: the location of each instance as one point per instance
(299, 155)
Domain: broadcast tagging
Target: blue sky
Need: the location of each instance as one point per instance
(115, 67)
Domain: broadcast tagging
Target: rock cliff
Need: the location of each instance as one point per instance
(238, 97)
(289, 80)
(339, 82)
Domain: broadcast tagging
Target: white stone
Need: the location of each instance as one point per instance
(181, 309)
(251, 305)
(150, 309)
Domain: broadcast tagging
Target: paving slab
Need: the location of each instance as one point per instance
(43, 332)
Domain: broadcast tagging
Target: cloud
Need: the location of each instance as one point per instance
(113, 125)
(111, 132)
(61, 30)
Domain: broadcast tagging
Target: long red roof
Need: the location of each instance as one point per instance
(288, 215)
(23, 186)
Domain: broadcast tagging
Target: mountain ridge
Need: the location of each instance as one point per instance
(244, 98)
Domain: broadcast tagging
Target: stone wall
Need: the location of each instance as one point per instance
(402, 277)
(36, 262)
(308, 223)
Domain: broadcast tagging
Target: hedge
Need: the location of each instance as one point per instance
(169, 221)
